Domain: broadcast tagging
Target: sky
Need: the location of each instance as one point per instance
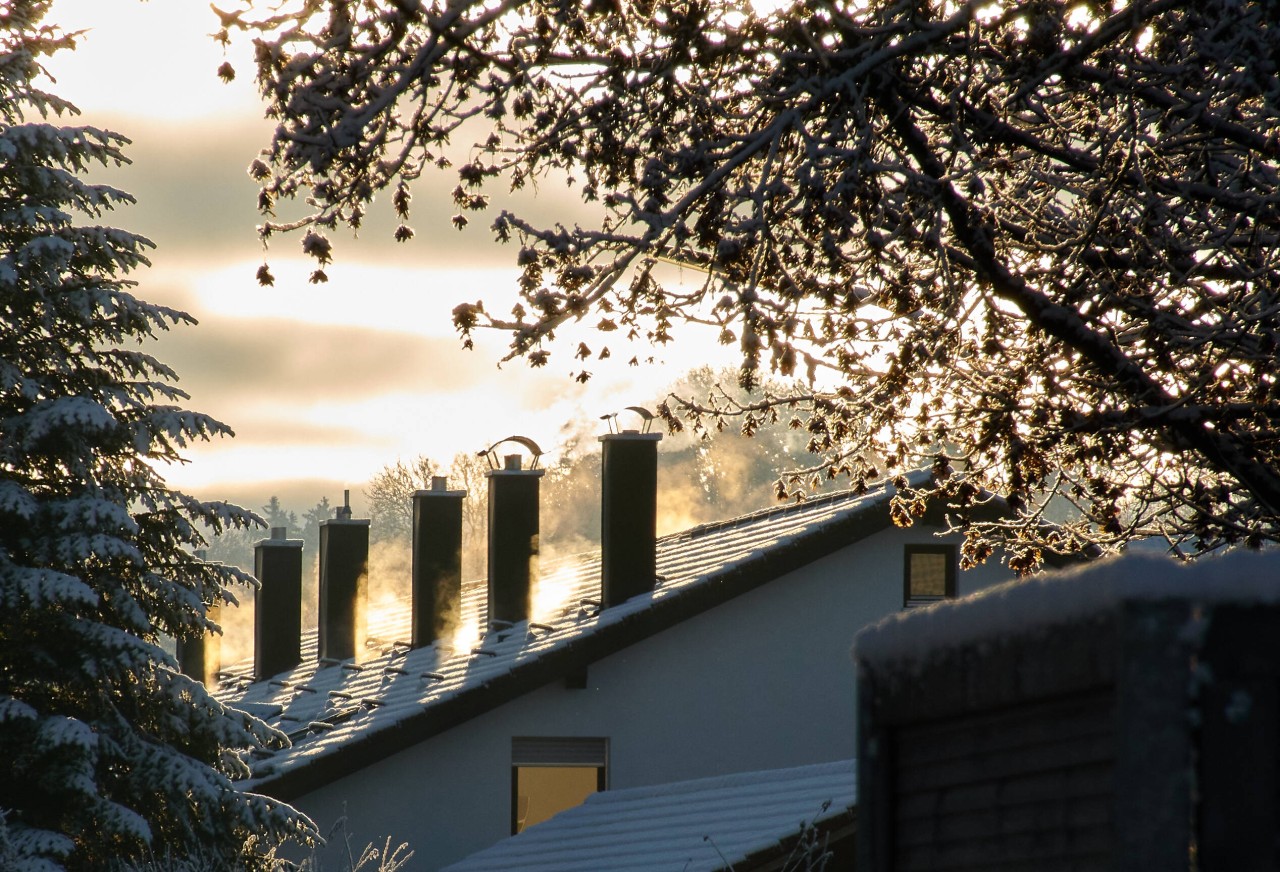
(323, 385)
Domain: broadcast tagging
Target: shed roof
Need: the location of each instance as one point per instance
(695, 826)
(342, 717)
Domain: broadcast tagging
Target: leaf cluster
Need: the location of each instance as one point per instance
(1030, 244)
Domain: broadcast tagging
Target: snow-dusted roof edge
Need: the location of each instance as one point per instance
(779, 805)
(1029, 606)
(865, 517)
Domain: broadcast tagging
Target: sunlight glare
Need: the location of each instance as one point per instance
(765, 8)
(989, 13)
(162, 60)
(550, 594)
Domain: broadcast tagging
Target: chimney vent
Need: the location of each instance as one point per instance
(277, 616)
(344, 511)
(344, 579)
(437, 560)
(628, 511)
(513, 531)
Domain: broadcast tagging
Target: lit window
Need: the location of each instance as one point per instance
(549, 775)
(930, 574)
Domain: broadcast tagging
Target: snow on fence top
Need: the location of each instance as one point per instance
(1027, 606)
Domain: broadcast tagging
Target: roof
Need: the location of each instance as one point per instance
(1034, 605)
(695, 826)
(343, 717)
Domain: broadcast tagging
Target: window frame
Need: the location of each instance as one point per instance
(556, 752)
(951, 552)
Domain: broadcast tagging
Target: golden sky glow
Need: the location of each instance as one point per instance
(323, 385)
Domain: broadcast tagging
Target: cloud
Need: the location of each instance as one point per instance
(275, 431)
(387, 295)
(196, 201)
(226, 363)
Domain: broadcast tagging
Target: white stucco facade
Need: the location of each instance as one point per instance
(762, 681)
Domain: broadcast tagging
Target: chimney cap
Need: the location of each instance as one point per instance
(343, 512)
(630, 436)
(281, 542)
(491, 454)
(645, 416)
(433, 492)
(439, 488)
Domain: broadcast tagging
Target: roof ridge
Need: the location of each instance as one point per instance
(808, 502)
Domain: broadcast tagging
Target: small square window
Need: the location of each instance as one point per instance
(549, 775)
(930, 574)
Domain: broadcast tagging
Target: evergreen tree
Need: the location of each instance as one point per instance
(110, 754)
(311, 519)
(277, 515)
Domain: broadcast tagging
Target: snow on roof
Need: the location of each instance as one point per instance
(694, 826)
(1025, 606)
(326, 710)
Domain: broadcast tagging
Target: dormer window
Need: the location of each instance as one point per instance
(930, 574)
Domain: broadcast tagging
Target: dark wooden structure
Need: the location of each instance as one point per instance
(1143, 737)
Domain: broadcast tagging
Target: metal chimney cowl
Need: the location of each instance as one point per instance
(628, 515)
(513, 539)
(344, 583)
(437, 560)
(277, 617)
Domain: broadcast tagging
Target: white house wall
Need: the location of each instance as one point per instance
(762, 681)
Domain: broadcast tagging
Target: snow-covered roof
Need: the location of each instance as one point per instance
(1028, 606)
(344, 716)
(694, 826)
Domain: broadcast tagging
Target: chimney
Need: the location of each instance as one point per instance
(277, 616)
(513, 533)
(344, 578)
(437, 560)
(200, 657)
(628, 512)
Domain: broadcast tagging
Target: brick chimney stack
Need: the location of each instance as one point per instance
(344, 579)
(513, 534)
(628, 513)
(277, 617)
(437, 560)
